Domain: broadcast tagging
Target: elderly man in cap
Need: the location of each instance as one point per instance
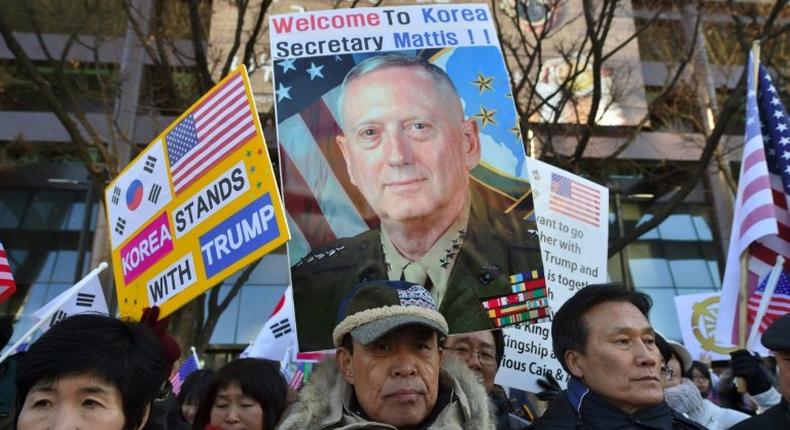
(388, 371)
(777, 339)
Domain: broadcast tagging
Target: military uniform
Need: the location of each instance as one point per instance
(495, 246)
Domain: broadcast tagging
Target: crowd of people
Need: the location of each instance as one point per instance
(396, 366)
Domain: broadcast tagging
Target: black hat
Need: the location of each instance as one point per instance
(777, 336)
(373, 309)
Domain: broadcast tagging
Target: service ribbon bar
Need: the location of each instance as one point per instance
(534, 316)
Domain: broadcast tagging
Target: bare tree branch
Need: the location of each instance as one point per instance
(198, 37)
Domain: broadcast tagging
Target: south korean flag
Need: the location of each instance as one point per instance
(278, 334)
(137, 194)
(83, 297)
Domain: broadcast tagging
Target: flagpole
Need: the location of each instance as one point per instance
(194, 354)
(74, 289)
(744, 289)
(770, 287)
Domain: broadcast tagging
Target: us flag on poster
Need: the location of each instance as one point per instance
(574, 199)
(761, 224)
(778, 306)
(214, 128)
(7, 284)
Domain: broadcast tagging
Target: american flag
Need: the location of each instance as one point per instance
(321, 202)
(187, 367)
(296, 380)
(575, 200)
(7, 284)
(761, 225)
(778, 306)
(214, 128)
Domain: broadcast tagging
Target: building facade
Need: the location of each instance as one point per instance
(51, 222)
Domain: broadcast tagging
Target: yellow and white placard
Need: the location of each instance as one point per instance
(199, 203)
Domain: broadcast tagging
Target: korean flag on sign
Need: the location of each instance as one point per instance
(137, 194)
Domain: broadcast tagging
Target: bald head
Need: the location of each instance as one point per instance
(413, 68)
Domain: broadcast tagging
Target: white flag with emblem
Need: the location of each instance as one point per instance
(85, 296)
(278, 333)
(137, 194)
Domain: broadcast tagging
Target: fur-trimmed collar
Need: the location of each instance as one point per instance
(320, 403)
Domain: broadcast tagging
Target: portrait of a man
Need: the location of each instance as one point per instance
(409, 149)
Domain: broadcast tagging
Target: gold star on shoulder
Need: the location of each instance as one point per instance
(483, 83)
(485, 116)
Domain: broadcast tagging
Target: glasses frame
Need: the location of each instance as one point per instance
(483, 357)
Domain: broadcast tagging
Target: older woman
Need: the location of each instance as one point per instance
(90, 371)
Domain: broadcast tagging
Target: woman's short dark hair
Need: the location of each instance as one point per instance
(258, 379)
(194, 386)
(569, 330)
(127, 355)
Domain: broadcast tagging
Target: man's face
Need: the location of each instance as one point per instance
(621, 361)
(396, 378)
(478, 350)
(79, 402)
(406, 144)
(783, 367)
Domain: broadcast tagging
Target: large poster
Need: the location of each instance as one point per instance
(572, 216)
(402, 158)
(199, 203)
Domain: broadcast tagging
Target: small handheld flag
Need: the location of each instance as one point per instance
(7, 284)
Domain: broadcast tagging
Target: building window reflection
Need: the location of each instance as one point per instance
(678, 257)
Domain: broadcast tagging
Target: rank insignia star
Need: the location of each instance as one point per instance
(483, 83)
(485, 116)
(516, 130)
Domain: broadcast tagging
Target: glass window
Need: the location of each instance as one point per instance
(48, 210)
(678, 257)
(663, 316)
(12, 207)
(256, 302)
(677, 227)
(45, 273)
(225, 330)
(703, 230)
(65, 267)
(647, 267)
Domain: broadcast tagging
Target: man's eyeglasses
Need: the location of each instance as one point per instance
(465, 353)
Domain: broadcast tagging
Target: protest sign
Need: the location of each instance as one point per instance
(431, 143)
(697, 319)
(572, 217)
(196, 205)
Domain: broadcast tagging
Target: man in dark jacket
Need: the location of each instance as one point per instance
(603, 338)
(777, 339)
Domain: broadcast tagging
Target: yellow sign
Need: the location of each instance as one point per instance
(199, 203)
